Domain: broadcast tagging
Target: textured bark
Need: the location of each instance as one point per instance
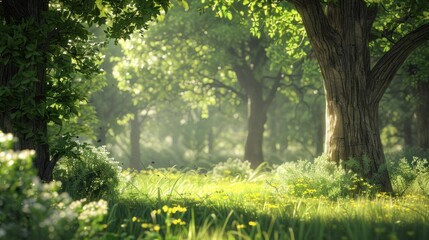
(422, 115)
(340, 40)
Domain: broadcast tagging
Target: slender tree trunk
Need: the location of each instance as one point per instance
(257, 116)
(135, 132)
(247, 74)
(273, 128)
(422, 115)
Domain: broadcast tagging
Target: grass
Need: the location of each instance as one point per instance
(169, 204)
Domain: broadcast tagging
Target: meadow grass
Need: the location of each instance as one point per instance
(170, 204)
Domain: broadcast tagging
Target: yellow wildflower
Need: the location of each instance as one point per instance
(252, 223)
(240, 226)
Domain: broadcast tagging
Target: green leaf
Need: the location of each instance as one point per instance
(229, 15)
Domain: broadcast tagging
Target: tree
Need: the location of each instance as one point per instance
(146, 75)
(341, 33)
(43, 45)
(340, 40)
(223, 58)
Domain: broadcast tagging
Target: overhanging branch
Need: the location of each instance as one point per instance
(382, 73)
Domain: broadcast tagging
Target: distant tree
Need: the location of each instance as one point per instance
(218, 58)
(147, 76)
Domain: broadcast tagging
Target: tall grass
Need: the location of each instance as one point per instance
(214, 207)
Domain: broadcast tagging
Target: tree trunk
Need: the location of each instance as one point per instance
(135, 132)
(247, 72)
(257, 116)
(422, 115)
(340, 40)
(18, 12)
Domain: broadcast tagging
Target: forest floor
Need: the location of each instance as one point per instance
(171, 204)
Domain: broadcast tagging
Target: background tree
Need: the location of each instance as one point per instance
(223, 58)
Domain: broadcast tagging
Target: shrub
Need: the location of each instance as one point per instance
(410, 175)
(320, 178)
(34, 210)
(233, 168)
(92, 175)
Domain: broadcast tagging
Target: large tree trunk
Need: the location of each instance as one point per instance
(422, 115)
(340, 40)
(18, 12)
(135, 132)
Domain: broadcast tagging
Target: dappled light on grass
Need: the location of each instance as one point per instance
(189, 205)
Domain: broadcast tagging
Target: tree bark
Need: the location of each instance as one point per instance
(422, 115)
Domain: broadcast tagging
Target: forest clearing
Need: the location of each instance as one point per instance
(214, 119)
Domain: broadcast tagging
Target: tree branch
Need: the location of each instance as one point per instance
(316, 23)
(273, 90)
(384, 70)
(218, 84)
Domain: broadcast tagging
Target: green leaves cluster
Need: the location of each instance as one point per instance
(92, 174)
(49, 65)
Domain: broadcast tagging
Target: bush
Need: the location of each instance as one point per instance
(232, 168)
(410, 175)
(93, 175)
(34, 210)
(320, 178)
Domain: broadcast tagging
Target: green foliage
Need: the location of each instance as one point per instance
(48, 56)
(233, 168)
(409, 174)
(91, 175)
(34, 210)
(320, 178)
